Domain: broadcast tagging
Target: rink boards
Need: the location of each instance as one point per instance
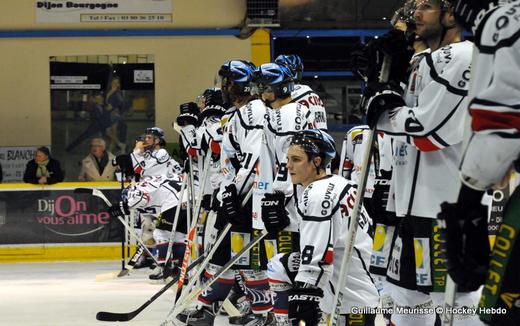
(52, 223)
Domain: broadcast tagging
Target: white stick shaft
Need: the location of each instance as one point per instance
(353, 225)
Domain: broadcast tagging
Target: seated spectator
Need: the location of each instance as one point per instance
(97, 166)
(43, 169)
(1, 174)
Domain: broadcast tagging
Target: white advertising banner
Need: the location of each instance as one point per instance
(97, 11)
(14, 160)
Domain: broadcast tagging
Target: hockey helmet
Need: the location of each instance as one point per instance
(294, 62)
(316, 142)
(236, 77)
(158, 133)
(276, 78)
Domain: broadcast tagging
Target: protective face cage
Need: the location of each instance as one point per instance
(424, 5)
(405, 14)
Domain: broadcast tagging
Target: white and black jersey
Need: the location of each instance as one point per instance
(353, 151)
(154, 195)
(280, 126)
(304, 95)
(241, 142)
(153, 162)
(210, 144)
(495, 109)
(428, 131)
(324, 210)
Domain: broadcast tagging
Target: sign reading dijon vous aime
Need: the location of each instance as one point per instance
(97, 11)
(56, 216)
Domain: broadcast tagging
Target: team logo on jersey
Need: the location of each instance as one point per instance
(379, 237)
(422, 261)
(237, 243)
(270, 248)
(357, 136)
(381, 246)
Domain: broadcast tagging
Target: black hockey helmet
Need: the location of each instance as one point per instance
(316, 142)
(236, 77)
(276, 78)
(294, 62)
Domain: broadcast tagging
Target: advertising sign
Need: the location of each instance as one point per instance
(56, 216)
(97, 11)
(14, 160)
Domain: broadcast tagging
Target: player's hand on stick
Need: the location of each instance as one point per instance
(274, 215)
(304, 305)
(467, 243)
(379, 98)
(120, 209)
(230, 206)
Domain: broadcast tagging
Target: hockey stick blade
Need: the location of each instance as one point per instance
(126, 316)
(94, 192)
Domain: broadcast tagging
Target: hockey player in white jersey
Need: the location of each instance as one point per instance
(149, 156)
(302, 93)
(240, 146)
(157, 197)
(488, 160)
(210, 134)
(427, 130)
(304, 280)
(273, 197)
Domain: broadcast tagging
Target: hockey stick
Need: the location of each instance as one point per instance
(130, 265)
(197, 291)
(126, 316)
(220, 238)
(98, 193)
(353, 225)
(175, 221)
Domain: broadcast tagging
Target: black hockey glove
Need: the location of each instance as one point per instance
(124, 162)
(189, 114)
(360, 61)
(304, 305)
(120, 209)
(380, 97)
(274, 214)
(398, 45)
(230, 209)
(213, 97)
(467, 246)
(380, 199)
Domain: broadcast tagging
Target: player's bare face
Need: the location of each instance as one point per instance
(427, 19)
(149, 140)
(301, 169)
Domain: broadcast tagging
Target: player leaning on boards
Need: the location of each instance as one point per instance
(324, 204)
(495, 122)
(427, 128)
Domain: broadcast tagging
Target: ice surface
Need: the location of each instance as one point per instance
(67, 293)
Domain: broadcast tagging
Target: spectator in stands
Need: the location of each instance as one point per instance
(43, 169)
(1, 174)
(97, 166)
(99, 121)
